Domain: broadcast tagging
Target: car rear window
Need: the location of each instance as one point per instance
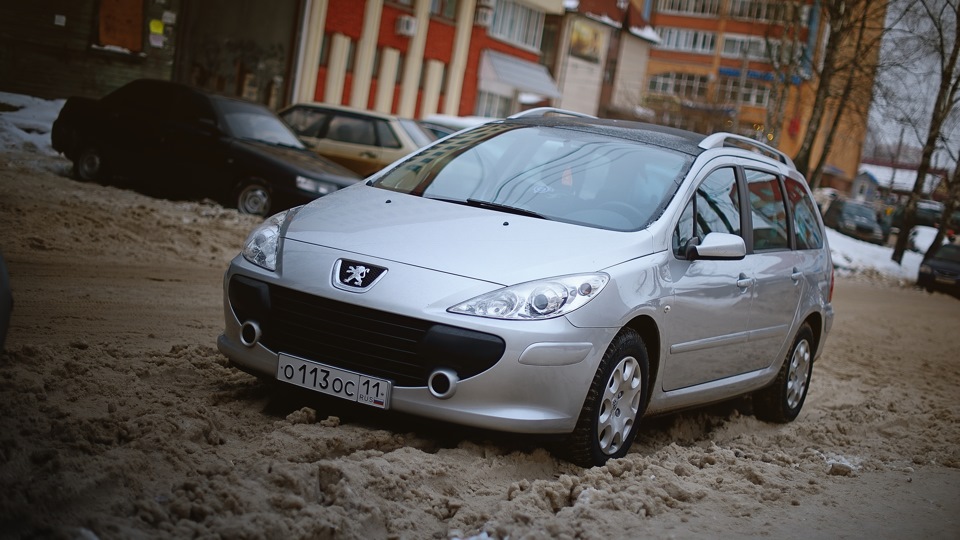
(560, 174)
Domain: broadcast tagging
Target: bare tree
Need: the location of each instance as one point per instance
(931, 27)
(849, 62)
(833, 14)
(856, 69)
(785, 54)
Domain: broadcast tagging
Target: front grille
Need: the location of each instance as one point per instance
(373, 342)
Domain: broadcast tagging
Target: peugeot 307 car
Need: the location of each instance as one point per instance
(548, 273)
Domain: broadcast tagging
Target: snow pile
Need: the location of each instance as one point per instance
(25, 122)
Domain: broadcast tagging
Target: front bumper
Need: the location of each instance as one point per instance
(537, 384)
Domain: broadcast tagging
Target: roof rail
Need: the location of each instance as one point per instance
(719, 140)
(543, 111)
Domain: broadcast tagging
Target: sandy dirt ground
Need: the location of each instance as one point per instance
(120, 419)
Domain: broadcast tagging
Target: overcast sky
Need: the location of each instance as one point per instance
(908, 81)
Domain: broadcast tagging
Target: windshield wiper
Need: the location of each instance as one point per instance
(504, 208)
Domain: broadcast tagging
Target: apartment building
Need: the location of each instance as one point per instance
(419, 57)
(746, 66)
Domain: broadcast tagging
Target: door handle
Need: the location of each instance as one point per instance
(796, 275)
(369, 155)
(744, 281)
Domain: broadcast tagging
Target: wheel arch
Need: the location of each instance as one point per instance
(815, 320)
(649, 333)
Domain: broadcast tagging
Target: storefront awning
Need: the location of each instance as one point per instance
(504, 75)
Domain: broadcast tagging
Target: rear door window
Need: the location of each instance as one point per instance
(351, 129)
(767, 210)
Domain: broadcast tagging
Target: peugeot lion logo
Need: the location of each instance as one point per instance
(356, 276)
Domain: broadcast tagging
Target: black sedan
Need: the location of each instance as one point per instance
(942, 270)
(172, 140)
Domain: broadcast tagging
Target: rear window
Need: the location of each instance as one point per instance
(559, 174)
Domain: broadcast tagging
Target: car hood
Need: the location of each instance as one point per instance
(478, 243)
(302, 162)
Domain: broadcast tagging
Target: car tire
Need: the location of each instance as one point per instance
(89, 165)
(615, 403)
(254, 197)
(781, 401)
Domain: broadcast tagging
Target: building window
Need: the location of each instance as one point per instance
(121, 25)
(682, 39)
(517, 24)
(753, 93)
(701, 8)
(446, 9)
(493, 105)
(686, 85)
(775, 11)
(754, 47)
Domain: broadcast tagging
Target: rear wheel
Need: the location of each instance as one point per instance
(615, 403)
(88, 166)
(254, 197)
(781, 401)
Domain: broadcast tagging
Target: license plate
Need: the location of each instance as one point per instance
(944, 279)
(334, 382)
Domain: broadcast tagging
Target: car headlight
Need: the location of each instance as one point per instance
(542, 299)
(263, 243)
(925, 269)
(315, 186)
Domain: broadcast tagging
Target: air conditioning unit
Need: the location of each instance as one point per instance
(489, 4)
(406, 25)
(483, 17)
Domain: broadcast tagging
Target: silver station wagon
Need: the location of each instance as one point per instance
(549, 273)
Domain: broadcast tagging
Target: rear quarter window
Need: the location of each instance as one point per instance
(808, 232)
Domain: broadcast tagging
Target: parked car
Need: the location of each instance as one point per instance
(444, 124)
(942, 270)
(171, 139)
(855, 219)
(546, 274)
(929, 214)
(362, 141)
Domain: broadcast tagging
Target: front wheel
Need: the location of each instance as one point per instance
(781, 401)
(253, 197)
(89, 165)
(615, 403)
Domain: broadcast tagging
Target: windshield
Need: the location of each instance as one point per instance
(857, 210)
(254, 122)
(555, 173)
(948, 252)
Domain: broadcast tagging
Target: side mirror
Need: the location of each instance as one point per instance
(718, 247)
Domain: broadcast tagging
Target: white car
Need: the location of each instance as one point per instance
(547, 273)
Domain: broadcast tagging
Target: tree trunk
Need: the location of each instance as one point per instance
(802, 160)
(949, 206)
(858, 51)
(946, 99)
